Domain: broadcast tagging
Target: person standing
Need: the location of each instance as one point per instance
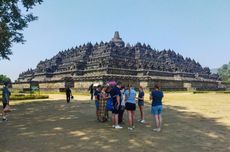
(91, 91)
(122, 109)
(109, 102)
(102, 105)
(156, 110)
(5, 99)
(97, 97)
(115, 94)
(130, 105)
(140, 98)
(68, 94)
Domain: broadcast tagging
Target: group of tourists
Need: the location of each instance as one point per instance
(117, 98)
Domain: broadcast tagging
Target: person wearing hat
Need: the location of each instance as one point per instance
(5, 99)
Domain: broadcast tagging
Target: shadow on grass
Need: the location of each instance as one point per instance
(56, 126)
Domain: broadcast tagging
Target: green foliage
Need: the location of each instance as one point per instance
(4, 78)
(12, 22)
(225, 92)
(200, 92)
(224, 72)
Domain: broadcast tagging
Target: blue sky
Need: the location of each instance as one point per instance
(199, 29)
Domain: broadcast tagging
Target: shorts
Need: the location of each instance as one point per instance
(122, 108)
(156, 110)
(130, 106)
(140, 103)
(115, 110)
(97, 104)
(4, 105)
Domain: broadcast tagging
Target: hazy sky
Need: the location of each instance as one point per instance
(199, 29)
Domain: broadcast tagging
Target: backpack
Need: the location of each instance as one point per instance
(109, 104)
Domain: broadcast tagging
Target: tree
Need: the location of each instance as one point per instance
(12, 23)
(4, 78)
(224, 72)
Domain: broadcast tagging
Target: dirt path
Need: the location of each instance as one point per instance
(53, 126)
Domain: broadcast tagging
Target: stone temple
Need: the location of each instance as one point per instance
(137, 64)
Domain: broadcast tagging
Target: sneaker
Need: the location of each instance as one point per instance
(4, 119)
(139, 120)
(133, 127)
(157, 129)
(113, 126)
(118, 127)
(13, 109)
(130, 128)
(142, 121)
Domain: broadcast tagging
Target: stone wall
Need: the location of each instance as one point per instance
(226, 85)
(82, 83)
(83, 86)
(144, 84)
(167, 84)
(205, 85)
(20, 86)
(51, 86)
(121, 71)
(95, 72)
(188, 86)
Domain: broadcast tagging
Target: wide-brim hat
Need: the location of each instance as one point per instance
(96, 84)
(112, 83)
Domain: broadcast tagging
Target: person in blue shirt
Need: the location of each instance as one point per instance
(5, 99)
(115, 94)
(130, 105)
(156, 97)
(140, 98)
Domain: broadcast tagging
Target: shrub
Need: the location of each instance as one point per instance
(197, 92)
(226, 92)
(27, 97)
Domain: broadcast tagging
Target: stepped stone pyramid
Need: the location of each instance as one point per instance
(115, 60)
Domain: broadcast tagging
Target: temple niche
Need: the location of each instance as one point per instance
(115, 58)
